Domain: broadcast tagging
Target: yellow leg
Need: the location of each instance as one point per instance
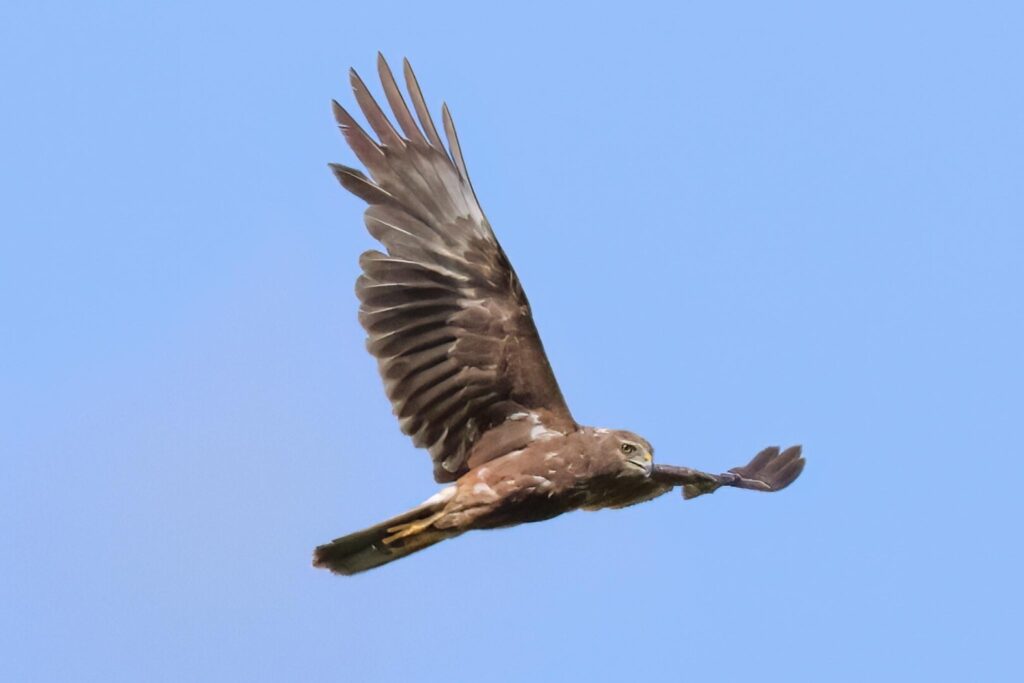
(411, 528)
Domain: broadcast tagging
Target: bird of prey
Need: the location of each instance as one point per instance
(450, 326)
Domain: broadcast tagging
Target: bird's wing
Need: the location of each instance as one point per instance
(445, 314)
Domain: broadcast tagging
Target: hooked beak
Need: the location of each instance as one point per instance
(644, 461)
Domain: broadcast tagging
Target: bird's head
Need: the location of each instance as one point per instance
(636, 452)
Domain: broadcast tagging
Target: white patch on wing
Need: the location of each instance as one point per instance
(442, 496)
(484, 490)
(540, 432)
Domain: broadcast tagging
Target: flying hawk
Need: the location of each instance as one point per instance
(449, 324)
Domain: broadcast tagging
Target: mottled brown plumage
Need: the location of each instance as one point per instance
(462, 363)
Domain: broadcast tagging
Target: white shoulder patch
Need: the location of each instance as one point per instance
(539, 431)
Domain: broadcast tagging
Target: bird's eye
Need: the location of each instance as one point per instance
(628, 448)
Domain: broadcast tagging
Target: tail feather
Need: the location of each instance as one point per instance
(366, 549)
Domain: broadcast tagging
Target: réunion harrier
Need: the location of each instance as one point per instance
(449, 324)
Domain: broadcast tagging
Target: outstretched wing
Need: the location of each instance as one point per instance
(770, 470)
(445, 314)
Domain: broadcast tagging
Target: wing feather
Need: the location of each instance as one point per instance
(444, 312)
(397, 103)
(374, 114)
(420, 105)
(453, 144)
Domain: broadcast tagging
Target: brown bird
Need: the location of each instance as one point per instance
(461, 360)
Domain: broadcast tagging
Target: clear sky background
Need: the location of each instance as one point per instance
(738, 226)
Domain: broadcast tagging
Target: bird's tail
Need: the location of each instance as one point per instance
(387, 541)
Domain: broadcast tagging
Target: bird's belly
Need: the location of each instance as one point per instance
(526, 509)
(501, 501)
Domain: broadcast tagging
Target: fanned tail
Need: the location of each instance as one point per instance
(385, 542)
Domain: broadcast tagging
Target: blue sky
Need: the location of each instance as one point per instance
(738, 226)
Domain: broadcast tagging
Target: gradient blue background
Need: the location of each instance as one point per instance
(738, 225)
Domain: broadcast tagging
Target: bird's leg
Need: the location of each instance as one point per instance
(412, 528)
(770, 470)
